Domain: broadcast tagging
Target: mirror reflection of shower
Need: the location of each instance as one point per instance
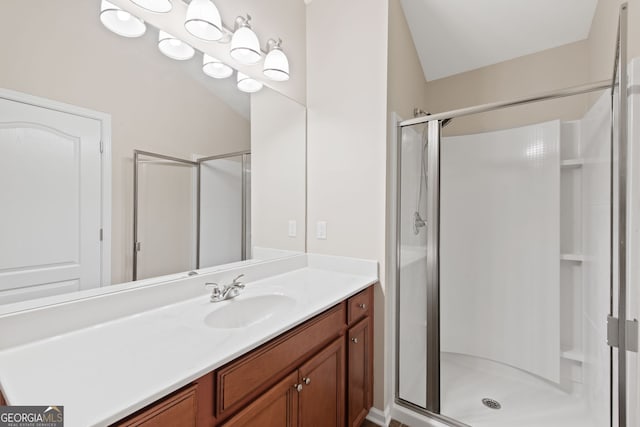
(418, 222)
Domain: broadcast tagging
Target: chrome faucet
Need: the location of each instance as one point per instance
(226, 292)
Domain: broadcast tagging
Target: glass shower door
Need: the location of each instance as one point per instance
(412, 267)
(417, 267)
(224, 209)
(503, 271)
(164, 215)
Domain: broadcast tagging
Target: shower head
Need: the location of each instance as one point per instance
(418, 223)
(417, 112)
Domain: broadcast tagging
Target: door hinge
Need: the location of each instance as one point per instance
(101, 147)
(138, 246)
(101, 234)
(631, 333)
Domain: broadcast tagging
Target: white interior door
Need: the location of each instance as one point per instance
(50, 210)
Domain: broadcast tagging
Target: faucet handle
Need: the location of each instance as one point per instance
(236, 282)
(215, 292)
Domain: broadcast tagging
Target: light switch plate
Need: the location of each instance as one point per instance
(293, 228)
(321, 230)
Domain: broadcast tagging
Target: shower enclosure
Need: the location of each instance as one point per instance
(190, 214)
(510, 294)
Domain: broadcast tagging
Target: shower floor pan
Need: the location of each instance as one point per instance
(524, 400)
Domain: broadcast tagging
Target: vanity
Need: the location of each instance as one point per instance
(295, 347)
(319, 373)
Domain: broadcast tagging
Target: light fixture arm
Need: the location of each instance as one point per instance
(273, 44)
(241, 21)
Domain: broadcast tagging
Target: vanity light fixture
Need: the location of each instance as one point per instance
(276, 64)
(203, 20)
(158, 6)
(120, 21)
(173, 47)
(215, 68)
(247, 84)
(245, 47)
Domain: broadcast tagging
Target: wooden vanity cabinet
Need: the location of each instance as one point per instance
(178, 409)
(359, 373)
(277, 407)
(312, 395)
(359, 357)
(318, 374)
(322, 388)
(246, 378)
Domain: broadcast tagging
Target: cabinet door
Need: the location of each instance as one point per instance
(278, 407)
(321, 400)
(176, 410)
(359, 372)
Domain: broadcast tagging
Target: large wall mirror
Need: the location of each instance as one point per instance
(199, 173)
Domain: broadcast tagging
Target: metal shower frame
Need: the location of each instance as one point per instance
(434, 128)
(198, 165)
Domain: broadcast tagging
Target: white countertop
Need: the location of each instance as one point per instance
(106, 371)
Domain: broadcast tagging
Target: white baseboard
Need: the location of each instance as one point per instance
(378, 417)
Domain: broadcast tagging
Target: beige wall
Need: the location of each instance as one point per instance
(346, 145)
(59, 50)
(405, 76)
(278, 132)
(556, 68)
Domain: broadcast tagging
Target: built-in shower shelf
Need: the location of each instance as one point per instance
(573, 354)
(572, 257)
(572, 163)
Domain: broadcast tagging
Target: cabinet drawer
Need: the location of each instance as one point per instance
(359, 305)
(277, 407)
(252, 374)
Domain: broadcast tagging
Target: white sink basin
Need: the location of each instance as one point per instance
(241, 312)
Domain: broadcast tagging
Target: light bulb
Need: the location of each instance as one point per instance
(120, 21)
(173, 47)
(215, 68)
(247, 84)
(158, 6)
(245, 47)
(203, 20)
(123, 15)
(276, 64)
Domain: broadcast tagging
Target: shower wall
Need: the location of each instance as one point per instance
(500, 247)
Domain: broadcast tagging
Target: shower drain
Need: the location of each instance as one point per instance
(490, 403)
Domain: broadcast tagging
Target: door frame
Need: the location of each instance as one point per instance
(105, 164)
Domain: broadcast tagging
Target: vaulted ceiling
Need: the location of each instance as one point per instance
(454, 36)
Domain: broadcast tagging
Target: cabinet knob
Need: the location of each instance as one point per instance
(298, 387)
(363, 306)
(354, 340)
(307, 381)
